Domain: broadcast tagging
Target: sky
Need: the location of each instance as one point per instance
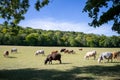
(63, 15)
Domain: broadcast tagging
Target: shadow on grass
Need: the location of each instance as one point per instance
(11, 57)
(58, 64)
(49, 74)
(112, 62)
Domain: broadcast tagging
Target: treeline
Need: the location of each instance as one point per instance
(38, 37)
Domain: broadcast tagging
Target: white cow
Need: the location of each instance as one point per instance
(105, 55)
(14, 50)
(39, 52)
(90, 54)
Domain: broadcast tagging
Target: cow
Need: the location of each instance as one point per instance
(6, 53)
(62, 50)
(105, 55)
(66, 51)
(71, 51)
(80, 49)
(53, 52)
(116, 54)
(39, 52)
(51, 57)
(90, 54)
(14, 50)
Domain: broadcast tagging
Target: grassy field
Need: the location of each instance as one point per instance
(24, 65)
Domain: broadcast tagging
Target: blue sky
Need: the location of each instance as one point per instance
(64, 15)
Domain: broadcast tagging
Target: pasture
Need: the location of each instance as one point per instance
(24, 65)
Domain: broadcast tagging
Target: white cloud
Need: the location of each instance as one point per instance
(51, 24)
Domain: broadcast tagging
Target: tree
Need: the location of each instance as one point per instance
(112, 13)
(32, 39)
(58, 39)
(102, 41)
(114, 41)
(12, 11)
(80, 40)
(72, 41)
(1, 38)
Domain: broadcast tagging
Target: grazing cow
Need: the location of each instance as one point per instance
(6, 53)
(90, 54)
(62, 50)
(53, 52)
(66, 51)
(71, 51)
(39, 52)
(13, 50)
(80, 49)
(116, 54)
(51, 57)
(105, 55)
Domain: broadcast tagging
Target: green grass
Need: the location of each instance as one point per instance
(24, 65)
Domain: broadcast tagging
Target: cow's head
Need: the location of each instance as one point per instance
(99, 59)
(46, 61)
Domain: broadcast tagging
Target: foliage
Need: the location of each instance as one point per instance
(94, 8)
(32, 38)
(38, 37)
(12, 11)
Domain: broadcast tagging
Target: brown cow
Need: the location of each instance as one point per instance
(80, 49)
(6, 53)
(53, 52)
(71, 51)
(62, 50)
(66, 51)
(116, 54)
(51, 57)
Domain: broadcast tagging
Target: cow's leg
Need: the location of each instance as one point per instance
(43, 54)
(94, 57)
(88, 57)
(111, 59)
(108, 60)
(115, 56)
(50, 62)
(60, 61)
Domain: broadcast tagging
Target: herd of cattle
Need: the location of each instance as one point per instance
(55, 55)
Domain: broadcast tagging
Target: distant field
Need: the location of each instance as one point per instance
(24, 65)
